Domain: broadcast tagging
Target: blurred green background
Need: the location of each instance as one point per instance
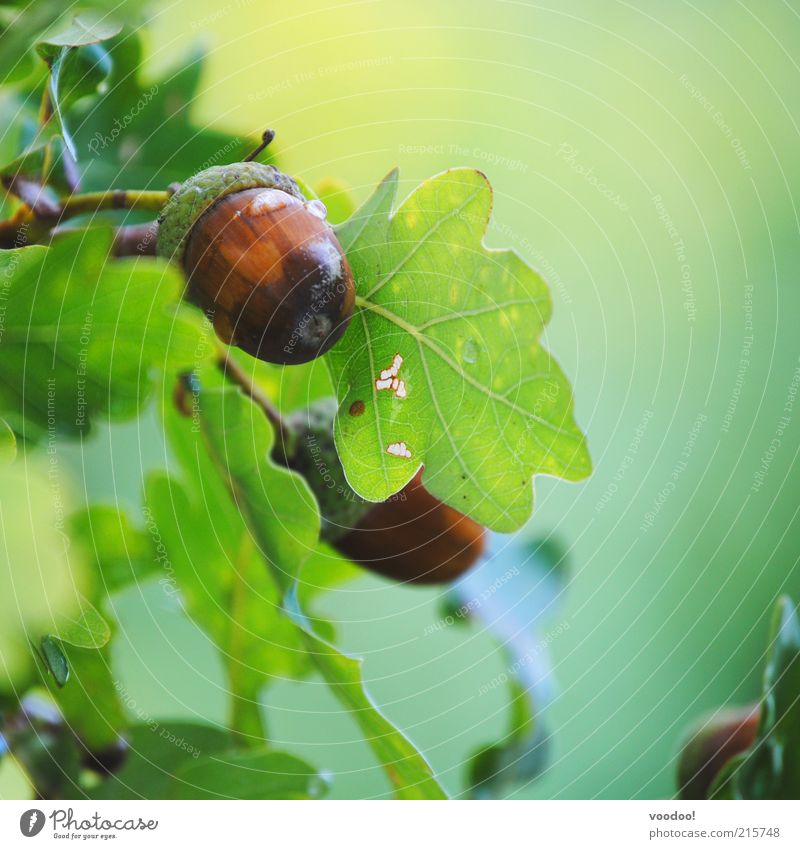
(644, 157)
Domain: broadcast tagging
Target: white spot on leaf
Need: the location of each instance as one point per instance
(399, 449)
(389, 379)
(397, 361)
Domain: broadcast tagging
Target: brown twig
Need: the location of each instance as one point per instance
(233, 372)
(136, 240)
(34, 195)
(32, 227)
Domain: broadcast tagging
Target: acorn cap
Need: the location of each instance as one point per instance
(313, 454)
(201, 191)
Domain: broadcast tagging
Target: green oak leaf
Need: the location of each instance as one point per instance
(485, 406)
(254, 774)
(141, 132)
(283, 521)
(214, 555)
(83, 332)
(277, 503)
(187, 760)
(156, 751)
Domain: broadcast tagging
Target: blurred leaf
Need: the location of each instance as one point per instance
(78, 66)
(770, 769)
(8, 443)
(55, 660)
(278, 506)
(519, 757)
(42, 576)
(322, 572)
(271, 500)
(337, 197)
(513, 593)
(257, 774)
(85, 29)
(90, 699)
(25, 24)
(83, 332)
(122, 553)
(45, 748)
(156, 751)
(212, 553)
(88, 630)
(86, 690)
(19, 29)
(19, 117)
(407, 770)
(140, 133)
(429, 290)
(29, 160)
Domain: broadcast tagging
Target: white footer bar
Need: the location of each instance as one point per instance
(404, 825)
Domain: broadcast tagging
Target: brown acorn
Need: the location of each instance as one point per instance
(415, 538)
(710, 744)
(261, 261)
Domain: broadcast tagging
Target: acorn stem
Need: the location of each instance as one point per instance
(233, 372)
(266, 139)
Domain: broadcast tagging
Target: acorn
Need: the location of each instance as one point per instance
(261, 261)
(710, 744)
(411, 537)
(415, 538)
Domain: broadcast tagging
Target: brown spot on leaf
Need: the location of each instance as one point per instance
(357, 408)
